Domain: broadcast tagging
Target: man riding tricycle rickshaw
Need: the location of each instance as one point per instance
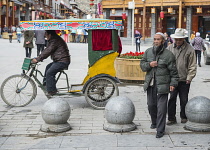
(98, 86)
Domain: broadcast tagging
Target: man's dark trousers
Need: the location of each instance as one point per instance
(157, 106)
(40, 48)
(182, 89)
(51, 70)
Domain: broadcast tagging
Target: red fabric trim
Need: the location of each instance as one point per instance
(101, 40)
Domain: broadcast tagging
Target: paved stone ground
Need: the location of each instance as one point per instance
(20, 126)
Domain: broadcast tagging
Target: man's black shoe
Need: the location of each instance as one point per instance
(171, 122)
(153, 126)
(50, 94)
(159, 134)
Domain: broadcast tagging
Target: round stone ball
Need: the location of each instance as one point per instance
(198, 109)
(120, 110)
(56, 111)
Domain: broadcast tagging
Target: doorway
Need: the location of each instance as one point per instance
(171, 25)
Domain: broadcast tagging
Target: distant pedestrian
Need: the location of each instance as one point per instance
(192, 36)
(85, 33)
(10, 34)
(208, 36)
(186, 38)
(66, 36)
(161, 78)
(186, 65)
(13, 28)
(79, 35)
(73, 34)
(138, 37)
(28, 42)
(5, 29)
(40, 40)
(198, 45)
(19, 33)
(168, 40)
(0, 31)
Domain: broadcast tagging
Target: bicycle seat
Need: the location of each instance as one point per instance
(64, 69)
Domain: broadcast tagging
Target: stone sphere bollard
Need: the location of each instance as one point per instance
(198, 113)
(119, 113)
(55, 113)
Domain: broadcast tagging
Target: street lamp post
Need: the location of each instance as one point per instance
(133, 23)
(131, 5)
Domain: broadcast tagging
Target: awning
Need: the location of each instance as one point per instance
(17, 2)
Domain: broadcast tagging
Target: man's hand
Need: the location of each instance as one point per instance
(172, 88)
(188, 82)
(27, 42)
(153, 64)
(34, 61)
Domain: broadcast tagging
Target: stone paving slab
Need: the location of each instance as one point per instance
(20, 126)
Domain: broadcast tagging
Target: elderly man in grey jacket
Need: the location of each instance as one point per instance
(186, 65)
(161, 78)
(40, 40)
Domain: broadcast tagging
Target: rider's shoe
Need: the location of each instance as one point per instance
(50, 94)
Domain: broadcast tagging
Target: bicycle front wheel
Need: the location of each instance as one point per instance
(18, 90)
(99, 91)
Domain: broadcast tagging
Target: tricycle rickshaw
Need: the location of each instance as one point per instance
(98, 86)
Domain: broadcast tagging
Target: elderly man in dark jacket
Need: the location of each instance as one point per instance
(59, 52)
(161, 78)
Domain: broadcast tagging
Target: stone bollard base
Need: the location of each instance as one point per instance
(201, 127)
(55, 128)
(119, 128)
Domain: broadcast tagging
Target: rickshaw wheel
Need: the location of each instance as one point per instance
(18, 90)
(99, 91)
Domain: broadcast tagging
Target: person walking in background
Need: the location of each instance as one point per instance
(198, 45)
(19, 33)
(161, 78)
(186, 65)
(0, 32)
(85, 33)
(66, 36)
(138, 37)
(168, 40)
(186, 38)
(13, 28)
(5, 29)
(192, 36)
(208, 36)
(73, 34)
(79, 34)
(10, 34)
(28, 42)
(40, 40)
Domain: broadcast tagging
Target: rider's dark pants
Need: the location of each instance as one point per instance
(51, 70)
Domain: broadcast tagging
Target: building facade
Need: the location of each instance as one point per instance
(153, 16)
(13, 11)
